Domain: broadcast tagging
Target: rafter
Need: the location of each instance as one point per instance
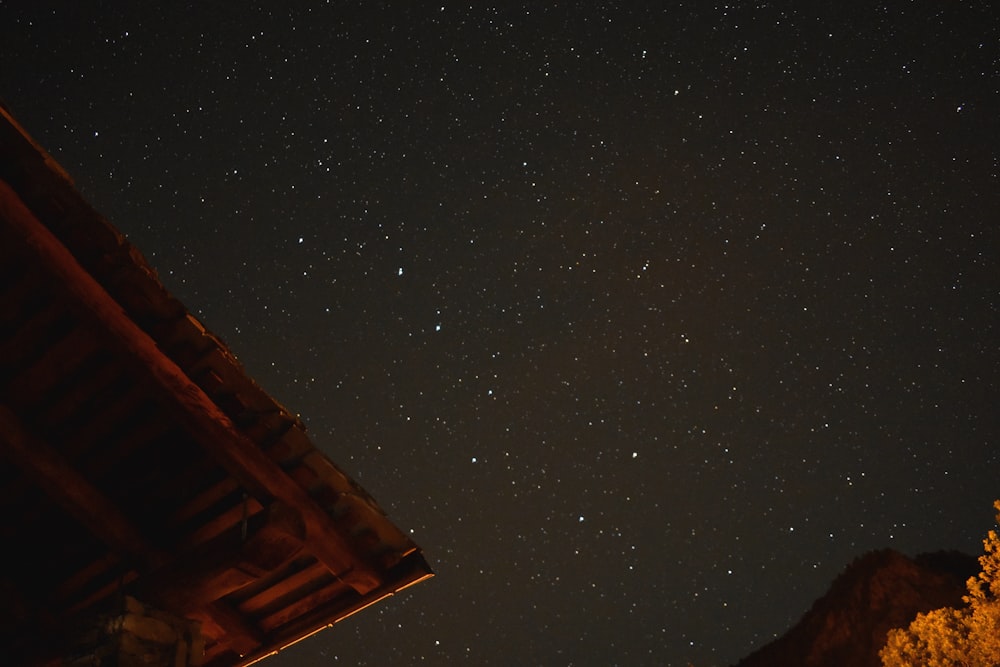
(74, 494)
(46, 467)
(184, 399)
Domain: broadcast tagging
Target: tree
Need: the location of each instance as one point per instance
(965, 637)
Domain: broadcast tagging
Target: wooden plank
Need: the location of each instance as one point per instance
(187, 403)
(220, 523)
(334, 590)
(84, 502)
(25, 345)
(78, 399)
(115, 413)
(228, 562)
(60, 359)
(71, 586)
(283, 587)
(240, 636)
(104, 592)
(291, 447)
(412, 570)
(74, 494)
(204, 500)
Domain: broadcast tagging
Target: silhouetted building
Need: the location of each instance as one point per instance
(157, 503)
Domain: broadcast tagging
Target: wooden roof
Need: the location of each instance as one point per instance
(137, 457)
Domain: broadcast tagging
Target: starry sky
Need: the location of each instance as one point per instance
(643, 319)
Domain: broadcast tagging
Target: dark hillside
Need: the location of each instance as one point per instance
(878, 591)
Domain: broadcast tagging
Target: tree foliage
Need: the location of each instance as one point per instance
(965, 637)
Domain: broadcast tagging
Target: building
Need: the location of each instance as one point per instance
(156, 499)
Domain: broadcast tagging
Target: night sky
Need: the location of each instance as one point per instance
(644, 322)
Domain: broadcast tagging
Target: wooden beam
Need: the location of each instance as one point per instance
(74, 494)
(72, 587)
(226, 563)
(184, 399)
(410, 571)
(282, 587)
(62, 358)
(241, 637)
(80, 395)
(201, 584)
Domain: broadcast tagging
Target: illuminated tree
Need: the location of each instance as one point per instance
(948, 637)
